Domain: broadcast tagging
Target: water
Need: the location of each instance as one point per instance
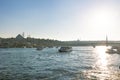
(83, 63)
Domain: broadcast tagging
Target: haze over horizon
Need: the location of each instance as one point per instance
(61, 19)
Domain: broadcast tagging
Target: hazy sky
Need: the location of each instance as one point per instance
(61, 19)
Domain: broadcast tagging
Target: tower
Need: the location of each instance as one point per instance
(23, 34)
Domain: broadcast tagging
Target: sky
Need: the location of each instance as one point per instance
(61, 19)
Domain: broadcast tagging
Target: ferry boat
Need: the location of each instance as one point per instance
(65, 49)
(113, 49)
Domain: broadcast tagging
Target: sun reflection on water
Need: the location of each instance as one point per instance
(102, 57)
(101, 71)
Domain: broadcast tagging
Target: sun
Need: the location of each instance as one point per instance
(101, 19)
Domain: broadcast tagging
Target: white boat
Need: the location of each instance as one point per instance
(113, 50)
(39, 48)
(65, 49)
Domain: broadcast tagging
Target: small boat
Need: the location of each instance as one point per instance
(65, 49)
(113, 50)
(94, 46)
(39, 48)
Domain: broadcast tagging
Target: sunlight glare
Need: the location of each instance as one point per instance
(102, 57)
(101, 19)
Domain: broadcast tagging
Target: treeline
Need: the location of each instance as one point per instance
(28, 42)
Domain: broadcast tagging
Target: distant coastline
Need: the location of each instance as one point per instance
(21, 42)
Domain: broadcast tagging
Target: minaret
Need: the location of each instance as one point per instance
(23, 34)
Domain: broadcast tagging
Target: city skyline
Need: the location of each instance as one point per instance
(61, 19)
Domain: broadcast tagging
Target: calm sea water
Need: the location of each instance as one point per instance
(83, 63)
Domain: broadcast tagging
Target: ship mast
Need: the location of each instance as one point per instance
(106, 40)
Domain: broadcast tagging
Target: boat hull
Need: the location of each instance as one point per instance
(65, 49)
